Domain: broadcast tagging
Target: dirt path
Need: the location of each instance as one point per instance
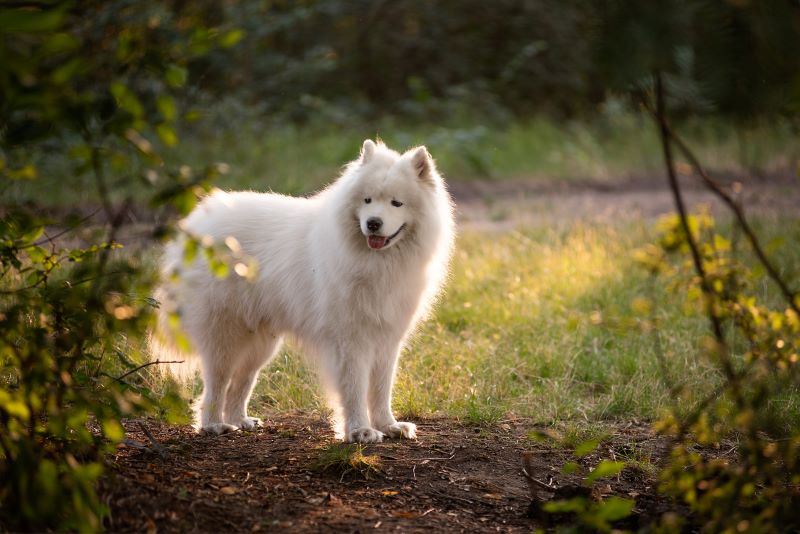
(505, 205)
(455, 478)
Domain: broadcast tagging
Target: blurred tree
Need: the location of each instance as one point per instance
(526, 56)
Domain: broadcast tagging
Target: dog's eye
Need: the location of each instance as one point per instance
(396, 203)
(367, 200)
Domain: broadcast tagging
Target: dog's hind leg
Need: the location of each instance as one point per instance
(216, 370)
(220, 344)
(254, 356)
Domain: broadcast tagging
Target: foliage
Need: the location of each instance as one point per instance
(758, 356)
(714, 56)
(71, 306)
(430, 60)
(580, 507)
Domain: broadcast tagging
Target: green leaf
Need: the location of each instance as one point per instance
(66, 71)
(167, 134)
(36, 254)
(166, 106)
(615, 508)
(126, 99)
(175, 76)
(29, 20)
(189, 250)
(185, 202)
(58, 43)
(569, 468)
(113, 430)
(230, 38)
(31, 235)
(13, 406)
(606, 468)
(219, 268)
(586, 447)
(576, 504)
(27, 172)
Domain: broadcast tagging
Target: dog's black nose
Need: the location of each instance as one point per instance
(374, 224)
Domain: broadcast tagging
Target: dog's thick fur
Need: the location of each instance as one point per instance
(349, 293)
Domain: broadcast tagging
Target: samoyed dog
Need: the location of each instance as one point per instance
(347, 273)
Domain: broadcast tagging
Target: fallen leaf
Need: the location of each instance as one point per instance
(228, 490)
(405, 515)
(389, 493)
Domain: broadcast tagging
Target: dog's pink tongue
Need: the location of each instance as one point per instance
(376, 241)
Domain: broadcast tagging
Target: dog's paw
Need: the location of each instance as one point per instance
(401, 429)
(365, 434)
(249, 423)
(218, 428)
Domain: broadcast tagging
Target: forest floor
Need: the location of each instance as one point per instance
(454, 478)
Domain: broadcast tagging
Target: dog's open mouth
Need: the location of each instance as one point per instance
(380, 241)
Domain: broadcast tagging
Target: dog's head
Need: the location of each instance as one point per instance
(391, 192)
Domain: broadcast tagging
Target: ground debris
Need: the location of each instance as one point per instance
(450, 479)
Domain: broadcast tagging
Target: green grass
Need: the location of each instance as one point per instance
(301, 159)
(264, 155)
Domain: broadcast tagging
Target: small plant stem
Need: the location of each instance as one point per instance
(722, 350)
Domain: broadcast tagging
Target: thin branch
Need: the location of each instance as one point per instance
(51, 238)
(100, 180)
(120, 378)
(708, 293)
(737, 210)
(727, 198)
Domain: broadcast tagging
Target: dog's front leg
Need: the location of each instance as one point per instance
(350, 378)
(381, 384)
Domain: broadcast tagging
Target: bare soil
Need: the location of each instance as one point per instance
(454, 478)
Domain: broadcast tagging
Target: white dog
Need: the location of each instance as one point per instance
(348, 273)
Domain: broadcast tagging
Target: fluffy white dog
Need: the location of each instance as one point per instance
(347, 272)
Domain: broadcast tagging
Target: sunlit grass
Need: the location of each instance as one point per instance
(540, 323)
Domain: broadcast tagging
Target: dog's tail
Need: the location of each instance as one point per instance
(169, 345)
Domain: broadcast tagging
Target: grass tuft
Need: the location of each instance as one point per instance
(346, 459)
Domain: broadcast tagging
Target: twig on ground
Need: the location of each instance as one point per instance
(135, 444)
(537, 481)
(453, 455)
(156, 445)
(462, 499)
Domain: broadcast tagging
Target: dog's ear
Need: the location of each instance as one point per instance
(422, 163)
(367, 150)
